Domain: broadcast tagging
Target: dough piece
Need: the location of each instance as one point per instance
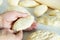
(40, 10)
(18, 8)
(1, 1)
(23, 23)
(42, 20)
(51, 19)
(13, 2)
(28, 3)
(47, 20)
(43, 35)
(55, 4)
(54, 13)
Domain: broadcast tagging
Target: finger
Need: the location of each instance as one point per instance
(33, 27)
(13, 15)
(19, 35)
(6, 24)
(22, 14)
(10, 31)
(5, 31)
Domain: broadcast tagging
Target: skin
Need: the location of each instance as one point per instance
(9, 17)
(33, 27)
(6, 35)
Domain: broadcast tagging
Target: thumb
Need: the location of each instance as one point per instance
(19, 35)
(22, 14)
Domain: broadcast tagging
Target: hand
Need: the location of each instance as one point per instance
(10, 17)
(6, 35)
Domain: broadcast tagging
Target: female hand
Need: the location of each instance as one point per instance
(10, 17)
(6, 35)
